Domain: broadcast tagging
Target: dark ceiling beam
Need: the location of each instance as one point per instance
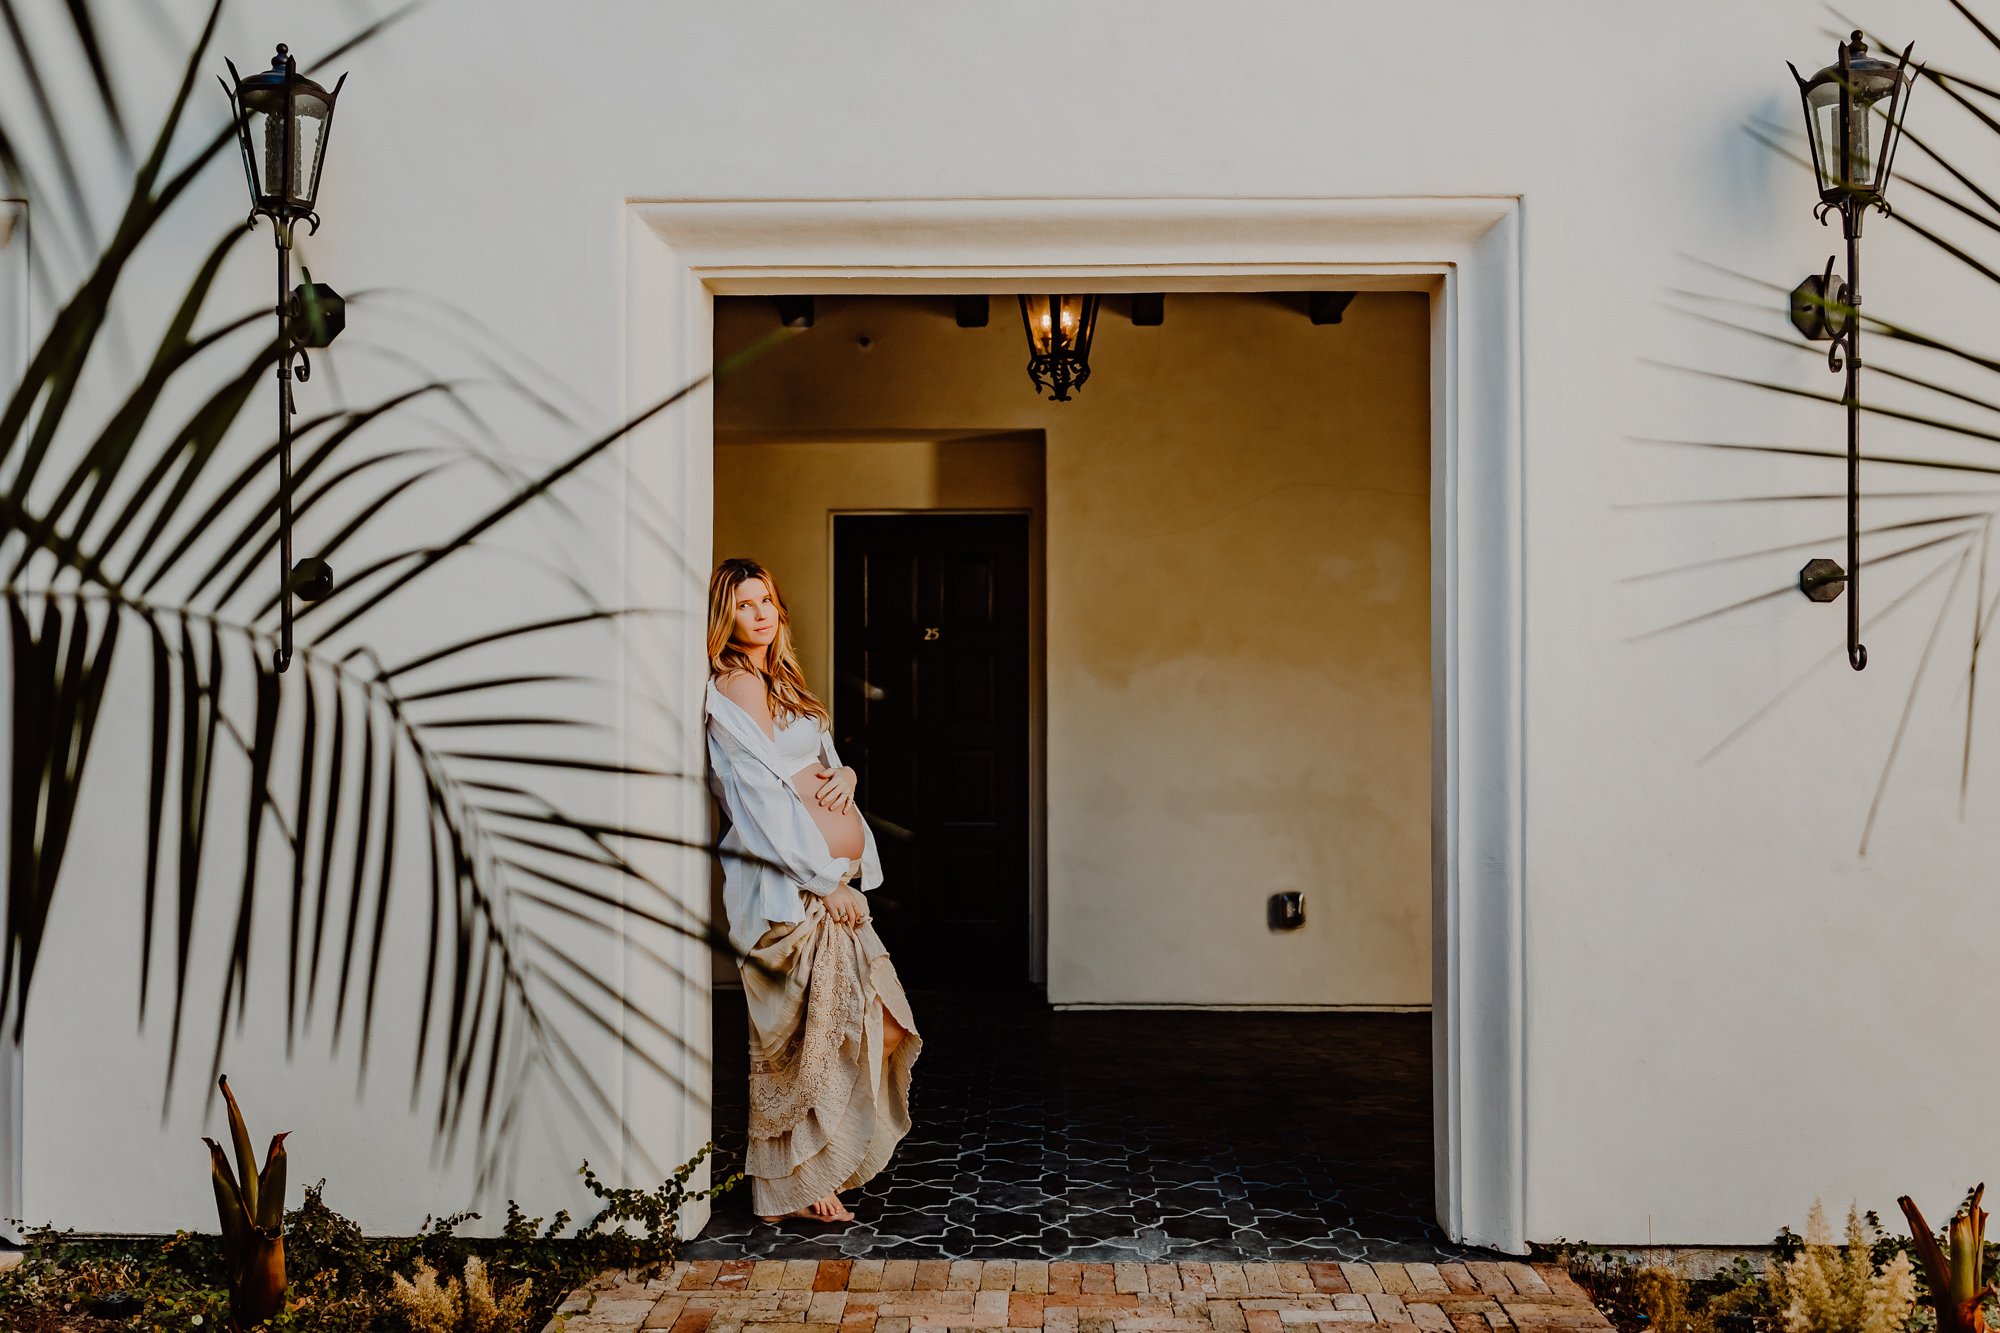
(971, 312)
(1149, 309)
(795, 312)
(1328, 307)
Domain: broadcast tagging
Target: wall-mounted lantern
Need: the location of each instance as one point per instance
(282, 124)
(1059, 330)
(1854, 118)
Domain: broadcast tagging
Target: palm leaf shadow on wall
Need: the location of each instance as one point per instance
(151, 544)
(1939, 530)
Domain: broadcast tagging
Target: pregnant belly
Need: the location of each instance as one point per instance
(840, 828)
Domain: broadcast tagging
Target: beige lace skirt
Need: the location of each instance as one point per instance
(826, 1108)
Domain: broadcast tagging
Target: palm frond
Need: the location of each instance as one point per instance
(365, 758)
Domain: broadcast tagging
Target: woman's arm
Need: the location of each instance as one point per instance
(830, 760)
(769, 818)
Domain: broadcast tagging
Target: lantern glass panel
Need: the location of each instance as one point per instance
(259, 124)
(311, 110)
(1856, 164)
(1823, 100)
(309, 117)
(283, 186)
(1067, 320)
(1035, 312)
(1075, 319)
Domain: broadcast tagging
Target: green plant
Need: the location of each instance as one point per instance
(656, 1211)
(1647, 1298)
(179, 1280)
(1669, 1303)
(1831, 1289)
(344, 1282)
(250, 1202)
(1740, 1299)
(1663, 1295)
(1611, 1280)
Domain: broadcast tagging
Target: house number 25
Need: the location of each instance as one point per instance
(930, 631)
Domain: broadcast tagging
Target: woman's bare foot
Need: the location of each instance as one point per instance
(829, 1209)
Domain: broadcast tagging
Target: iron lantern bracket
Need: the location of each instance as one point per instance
(311, 315)
(1852, 172)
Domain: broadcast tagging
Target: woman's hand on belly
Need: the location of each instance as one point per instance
(836, 793)
(829, 798)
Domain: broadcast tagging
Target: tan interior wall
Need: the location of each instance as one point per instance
(775, 502)
(1237, 624)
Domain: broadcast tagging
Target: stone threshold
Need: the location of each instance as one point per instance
(1015, 1296)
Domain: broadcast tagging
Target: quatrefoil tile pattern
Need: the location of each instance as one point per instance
(1139, 1135)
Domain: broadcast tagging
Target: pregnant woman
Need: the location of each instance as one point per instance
(831, 1034)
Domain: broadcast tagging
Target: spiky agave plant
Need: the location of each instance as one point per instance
(250, 1203)
(1956, 1292)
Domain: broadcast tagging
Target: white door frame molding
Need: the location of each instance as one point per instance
(1465, 251)
(14, 315)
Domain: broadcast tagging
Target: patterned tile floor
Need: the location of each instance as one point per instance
(912, 1296)
(1136, 1135)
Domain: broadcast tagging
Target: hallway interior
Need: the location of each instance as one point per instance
(1126, 1135)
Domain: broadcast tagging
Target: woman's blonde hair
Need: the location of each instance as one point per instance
(784, 682)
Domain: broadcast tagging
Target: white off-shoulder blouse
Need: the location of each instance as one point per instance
(769, 823)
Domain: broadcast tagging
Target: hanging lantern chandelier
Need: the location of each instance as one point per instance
(1059, 330)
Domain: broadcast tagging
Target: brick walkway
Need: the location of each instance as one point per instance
(937, 1295)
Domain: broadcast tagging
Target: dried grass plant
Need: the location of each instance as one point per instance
(1833, 1289)
(1663, 1294)
(484, 1313)
(428, 1306)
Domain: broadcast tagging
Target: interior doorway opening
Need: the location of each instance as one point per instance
(1464, 252)
(937, 691)
(1226, 553)
(931, 705)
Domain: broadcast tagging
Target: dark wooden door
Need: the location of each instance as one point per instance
(930, 641)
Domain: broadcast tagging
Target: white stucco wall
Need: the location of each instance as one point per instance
(1730, 1007)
